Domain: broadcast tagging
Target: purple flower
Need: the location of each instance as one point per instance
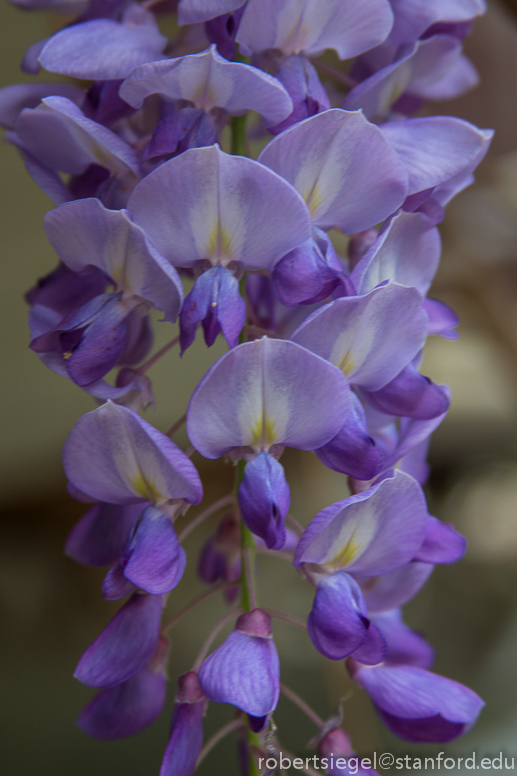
(244, 670)
(125, 646)
(99, 538)
(186, 736)
(220, 558)
(417, 705)
(133, 705)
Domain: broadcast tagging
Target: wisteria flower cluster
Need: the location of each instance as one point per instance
(323, 349)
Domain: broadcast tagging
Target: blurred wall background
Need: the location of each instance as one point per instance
(51, 608)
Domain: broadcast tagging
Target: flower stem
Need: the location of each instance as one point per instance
(286, 618)
(152, 361)
(295, 698)
(195, 601)
(223, 502)
(176, 426)
(212, 635)
(229, 728)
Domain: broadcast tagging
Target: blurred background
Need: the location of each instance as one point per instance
(51, 608)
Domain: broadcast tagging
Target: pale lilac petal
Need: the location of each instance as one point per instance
(442, 543)
(104, 48)
(436, 148)
(99, 538)
(48, 180)
(413, 432)
(127, 708)
(405, 646)
(338, 623)
(343, 168)
(396, 589)
(205, 204)
(125, 646)
(85, 233)
(243, 671)
(59, 135)
(371, 533)
(413, 17)
(192, 11)
(442, 319)
(267, 392)
(209, 81)
(153, 560)
(372, 337)
(418, 705)
(14, 98)
(406, 252)
(309, 27)
(114, 455)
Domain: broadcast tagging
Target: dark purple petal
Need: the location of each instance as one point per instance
(373, 650)
(115, 585)
(442, 543)
(304, 87)
(243, 671)
(420, 706)
(125, 646)
(127, 708)
(353, 451)
(99, 538)
(179, 131)
(186, 739)
(338, 623)
(410, 394)
(154, 560)
(65, 291)
(404, 646)
(264, 499)
(222, 31)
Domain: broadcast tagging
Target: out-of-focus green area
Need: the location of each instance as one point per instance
(51, 608)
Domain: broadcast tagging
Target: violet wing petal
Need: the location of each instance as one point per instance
(127, 708)
(373, 650)
(411, 395)
(439, 709)
(404, 646)
(352, 451)
(370, 338)
(338, 623)
(267, 392)
(99, 538)
(209, 81)
(114, 455)
(205, 204)
(14, 98)
(342, 166)
(442, 543)
(310, 27)
(395, 589)
(243, 671)
(154, 560)
(125, 646)
(264, 499)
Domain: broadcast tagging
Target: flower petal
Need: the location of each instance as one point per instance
(99, 538)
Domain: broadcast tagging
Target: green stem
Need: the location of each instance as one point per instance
(239, 135)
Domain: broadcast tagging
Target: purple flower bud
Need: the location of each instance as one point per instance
(244, 670)
(125, 646)
(131, 706)
(338, 622)
(335, 746)
(186, 728)
(220, 558)
(417, 705)
(264, 499)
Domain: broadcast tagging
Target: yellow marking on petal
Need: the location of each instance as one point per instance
(145, 488)
(347, 364)
(219, 247)
(67, 355)
(263, 433)
(313, 198)
(347, 554)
